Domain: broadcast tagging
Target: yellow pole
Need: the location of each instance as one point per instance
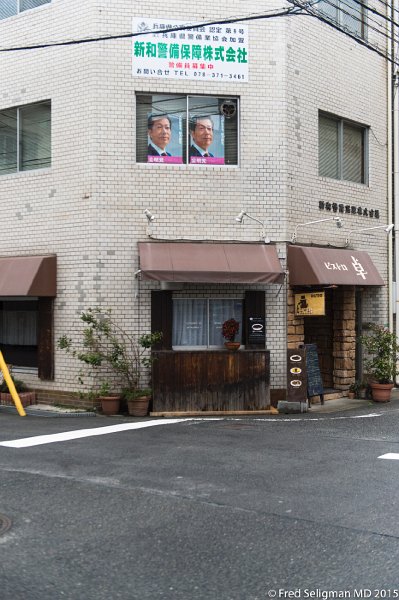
(11, 387)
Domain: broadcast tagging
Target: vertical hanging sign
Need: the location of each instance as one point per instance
(296, 375)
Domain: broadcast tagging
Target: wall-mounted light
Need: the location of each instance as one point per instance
(149, 215)
(240, 218)
(386, 228)
(338, 221)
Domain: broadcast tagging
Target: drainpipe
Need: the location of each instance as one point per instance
(395, 158)
(390, 139)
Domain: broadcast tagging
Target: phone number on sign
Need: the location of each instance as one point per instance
(327, 594)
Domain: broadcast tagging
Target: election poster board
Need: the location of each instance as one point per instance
(205, 53)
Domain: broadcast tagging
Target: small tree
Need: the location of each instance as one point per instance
(106, 345)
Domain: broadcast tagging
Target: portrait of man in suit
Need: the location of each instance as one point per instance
(159, 134)
(201, 131)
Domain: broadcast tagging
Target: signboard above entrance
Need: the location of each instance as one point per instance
(310, 304)
(212, 52)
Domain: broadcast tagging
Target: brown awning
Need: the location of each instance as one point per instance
(210, 263)
(28, 276)
(329, 266)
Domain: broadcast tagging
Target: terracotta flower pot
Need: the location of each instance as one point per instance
(138, 407)
(232, 345)
(381, 391)
(110, 404)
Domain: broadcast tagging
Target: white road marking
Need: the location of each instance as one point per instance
(82, 433)
(390, 456)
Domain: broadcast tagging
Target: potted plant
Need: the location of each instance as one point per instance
(138, 401)
(110, 401)
(230, 329)
(381, 365)
(109, 350)
(354, 390)
(26, 397)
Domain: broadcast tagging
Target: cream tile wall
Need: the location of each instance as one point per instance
(88, 207)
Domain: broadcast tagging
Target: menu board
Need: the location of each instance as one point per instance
(314, 380)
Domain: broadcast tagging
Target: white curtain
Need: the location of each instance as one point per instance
(198, 321)
(190, 320)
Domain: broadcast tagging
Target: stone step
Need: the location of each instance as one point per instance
(329, 395)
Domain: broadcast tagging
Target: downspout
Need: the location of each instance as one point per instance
(390, 175)
(395, 159)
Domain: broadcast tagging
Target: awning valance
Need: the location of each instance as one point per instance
(28, 276)
(329, 266)
(210, 262)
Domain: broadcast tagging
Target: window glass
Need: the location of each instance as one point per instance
(8, 141)
(353, 163)
(181, 129)
(19, 332)
(328, 9)
(160, 128)
(342, 149)
(352, 16)
(190, 318)
(35, 136)
(25, 138)
(8, 8)
(348, 14)
(27, 4)
(328, 147)
(220, 311)
(198, 321)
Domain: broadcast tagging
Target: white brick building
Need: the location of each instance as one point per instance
(82, 197)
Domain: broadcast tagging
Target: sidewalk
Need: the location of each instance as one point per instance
(342, 404)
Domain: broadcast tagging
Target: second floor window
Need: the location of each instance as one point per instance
(25, 138)
(8, 8)
(194, 130)
(342, 149)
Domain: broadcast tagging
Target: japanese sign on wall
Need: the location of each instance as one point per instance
(212, 52)
(310, 304)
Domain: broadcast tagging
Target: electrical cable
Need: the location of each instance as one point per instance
(317, 15)
(284, 13)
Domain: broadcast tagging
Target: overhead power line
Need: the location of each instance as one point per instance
(307, 9)
(105, 38)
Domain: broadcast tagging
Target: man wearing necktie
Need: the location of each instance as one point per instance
(201, 131)
(159, 133)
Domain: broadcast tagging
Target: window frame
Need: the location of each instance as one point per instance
(340, 147)
(186, 157)
(342, 6)
(20, 11)
(19, 138)
(208, 299)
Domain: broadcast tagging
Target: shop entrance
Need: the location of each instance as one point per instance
(320, 331)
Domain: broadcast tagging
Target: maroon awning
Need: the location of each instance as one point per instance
(28, 276)
(329, 266)
(210, 262)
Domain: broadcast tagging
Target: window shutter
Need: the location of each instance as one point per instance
(161, 317)
(328, 147)
(46, 339)
(254, 306)
(353, 164)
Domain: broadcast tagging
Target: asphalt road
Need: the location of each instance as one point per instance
(297, 506)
